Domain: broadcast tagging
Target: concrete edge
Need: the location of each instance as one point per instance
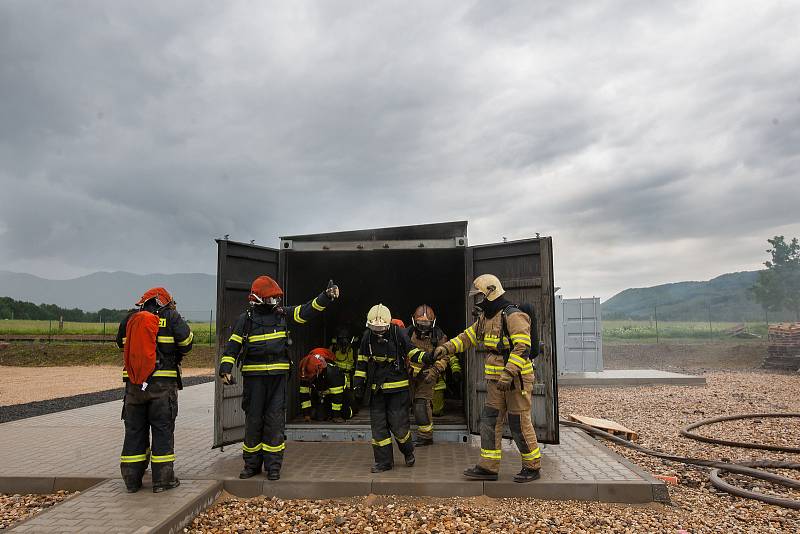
(42, 485)
(181, 517)
(659, 492)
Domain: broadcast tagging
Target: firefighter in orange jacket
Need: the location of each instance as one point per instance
(259, 341)
(154, 407)
(505, 332)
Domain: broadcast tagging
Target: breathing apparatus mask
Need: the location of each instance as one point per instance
(268, 305)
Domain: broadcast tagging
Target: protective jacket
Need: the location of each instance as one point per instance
(385, 359)
(330, 389)
(174, 341)
(261, 336)
(345, 360)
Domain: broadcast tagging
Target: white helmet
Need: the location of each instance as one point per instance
(379, 318)
(487, 285)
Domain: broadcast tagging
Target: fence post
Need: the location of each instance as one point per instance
(710, 330)
(210, 320)
(50, 331)
(655, 312)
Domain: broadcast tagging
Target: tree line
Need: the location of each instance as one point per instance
(778, 287)
(21, 310)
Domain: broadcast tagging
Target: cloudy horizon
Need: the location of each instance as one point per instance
(655, 142)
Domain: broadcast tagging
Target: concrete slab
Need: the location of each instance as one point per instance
(629, 377)
(74, 449)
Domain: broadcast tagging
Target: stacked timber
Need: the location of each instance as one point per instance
(783, 351)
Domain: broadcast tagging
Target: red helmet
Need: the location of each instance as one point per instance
(264, 288)
(161, 295)
(325, 353)
(311, 366)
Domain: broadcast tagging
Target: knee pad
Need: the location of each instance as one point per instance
(489, 412)
(515, 423)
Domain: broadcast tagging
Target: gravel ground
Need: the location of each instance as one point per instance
(28, 384)
(15, 508)
(32, 409)
(656, 412)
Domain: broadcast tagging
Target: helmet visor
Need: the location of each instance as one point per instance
(423, 325)
(378, 329)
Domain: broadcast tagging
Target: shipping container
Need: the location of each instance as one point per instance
(400, 267)
(579, 330)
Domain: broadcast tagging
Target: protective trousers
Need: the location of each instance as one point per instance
(517, 407)
(152, 410)
(423, 407)
(389, 412)
(264, 405)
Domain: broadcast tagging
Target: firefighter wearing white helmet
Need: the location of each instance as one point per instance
(505, 332)
(381, 368)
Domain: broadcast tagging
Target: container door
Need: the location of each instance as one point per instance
(525, 269)
(238, 264)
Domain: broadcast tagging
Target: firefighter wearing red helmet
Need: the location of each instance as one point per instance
(322, 381)
(151, 405)
(258, 342)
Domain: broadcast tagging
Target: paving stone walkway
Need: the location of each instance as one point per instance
(77, 448)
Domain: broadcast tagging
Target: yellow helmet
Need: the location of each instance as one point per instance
(488, 285)
(379, 318)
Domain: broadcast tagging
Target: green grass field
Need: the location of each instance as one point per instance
(674, 331)
(23, 327)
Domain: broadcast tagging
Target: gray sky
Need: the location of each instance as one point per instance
(655, 143)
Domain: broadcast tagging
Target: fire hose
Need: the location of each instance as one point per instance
(752, 469)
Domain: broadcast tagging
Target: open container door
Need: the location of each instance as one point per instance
(525, 268)
(238, 264)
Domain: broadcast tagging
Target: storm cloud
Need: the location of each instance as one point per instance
(654, 142)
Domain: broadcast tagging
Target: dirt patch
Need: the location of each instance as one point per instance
(27, 384)
(694, 357)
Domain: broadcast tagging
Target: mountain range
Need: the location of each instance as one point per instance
(724, 298)
(195, 293)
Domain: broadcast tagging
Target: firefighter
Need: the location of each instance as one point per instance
(259, 342)
(319, 374)
(151, 408)
(381, 366)
(342, 348)
(504, 331)
(425, 335)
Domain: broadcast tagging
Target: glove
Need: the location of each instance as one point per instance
(307, 418)
(506, 381)
(457, 377)
(439, 353)
(332, 291)
(227, 379)
(430, 375)
(337, 420)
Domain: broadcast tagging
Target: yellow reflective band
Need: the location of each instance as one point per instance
(492, 369)
(124, 339)
(534, 454)
(166, 374)
(425, 428)
(528, 369)
(162, 459)
(266, 367)
(305, 389)
(520, 337)
(382, 443)
(334, 391)
(124, 373)
(162, 322)
(360, 374)
(492, 454)
(440, 385)
(165, 339)
(133, 459)
(267, 337)
(404, 438)
(270, 448)
(362, 358)
(297, 318)
(471, 335)
(235, 338)
(227, 359)
(336, 407)
(458, 344)
(516, 360)
(395, 385)
(316, 305)
(186, 341)
(256, 448)
(455, 365)
(305, 404)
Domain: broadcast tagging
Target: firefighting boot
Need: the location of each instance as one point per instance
(527, 475)
(379, 468)
(174, 483)
(410, 460)
(273, 474)
(132, 485)
(249, 472)
(479, 473)
(422, 442)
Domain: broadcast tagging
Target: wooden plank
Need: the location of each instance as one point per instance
(612, 427)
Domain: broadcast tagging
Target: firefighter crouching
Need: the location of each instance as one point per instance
(322, 380)
(505, 332)
(425, 335)
(259, 342)
(381, 366)
(151, 404)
